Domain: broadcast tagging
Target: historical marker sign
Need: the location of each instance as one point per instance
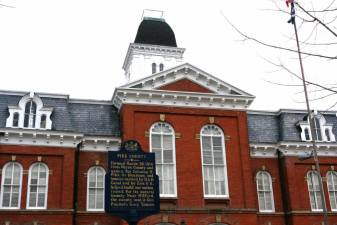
(132, 186)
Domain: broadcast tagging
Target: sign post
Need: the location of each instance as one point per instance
(131, 183)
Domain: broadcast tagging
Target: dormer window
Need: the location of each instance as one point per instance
(16, 119)
(29, 114)
(322, 129)
(154, 68)
(43, 121)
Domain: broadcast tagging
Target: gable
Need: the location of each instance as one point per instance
(182, 86)
(185, 85)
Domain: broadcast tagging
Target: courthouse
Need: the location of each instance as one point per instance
(219, 163)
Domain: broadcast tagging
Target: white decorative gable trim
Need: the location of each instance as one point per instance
(145, 91)
(17, 114)
(324, 149)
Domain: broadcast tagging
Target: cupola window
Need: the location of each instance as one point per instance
(154, 68)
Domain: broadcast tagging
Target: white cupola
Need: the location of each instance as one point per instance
(154, 49)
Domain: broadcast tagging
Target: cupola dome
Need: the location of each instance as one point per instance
(155, 31)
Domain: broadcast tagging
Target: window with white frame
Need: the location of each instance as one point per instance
(11, 184)
(314, 191)
(322, 129)
(265, 192)
(29, 114)
(214, 169)
(95, 189)
(162, 143)
(161, 67)
(332, 188)
(37, 192)
(154, 68)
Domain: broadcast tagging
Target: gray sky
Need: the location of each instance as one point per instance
(77, 47)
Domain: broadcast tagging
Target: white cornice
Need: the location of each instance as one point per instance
(12, 136)
(180, 99)
(264, 150)
(135, 48)
(278, 112)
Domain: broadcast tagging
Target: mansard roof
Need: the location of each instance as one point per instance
(282, 125)
(89, 117)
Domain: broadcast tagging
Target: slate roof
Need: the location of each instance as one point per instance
(101, 118)
(80, 116)
(273, 127)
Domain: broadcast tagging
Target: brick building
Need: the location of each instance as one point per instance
(219, 163)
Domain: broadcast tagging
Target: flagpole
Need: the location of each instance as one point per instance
(310, 120)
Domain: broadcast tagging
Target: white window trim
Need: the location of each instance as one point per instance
(323, 126)
(20, 108)
(29, 183)
(87, 201)
(2, 184)
(226, 196)
(174, 158)
(314, 210)
(271, 192)
(327, 183)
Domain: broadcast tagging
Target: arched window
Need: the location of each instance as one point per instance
(154, 68)
(314, 191)
(161, 67)
(43, 121)
(213, 162)
(16, 119)
(162, 144)
(317, 129)
(37, 192)
(95, 189)
(11, 184)
(30, 114)
(332, 188)
(265, 192)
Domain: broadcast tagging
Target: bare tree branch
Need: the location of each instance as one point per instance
(247, 37)
(316, 19)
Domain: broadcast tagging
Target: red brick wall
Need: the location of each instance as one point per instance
(60, 185)
(185, 85)
(137, 120)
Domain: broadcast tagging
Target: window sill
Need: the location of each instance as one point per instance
(95, 210)
(36, 209)
(267, 212)
(169, 200)
(217, 202)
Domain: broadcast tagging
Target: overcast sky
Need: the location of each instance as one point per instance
(77, 47)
